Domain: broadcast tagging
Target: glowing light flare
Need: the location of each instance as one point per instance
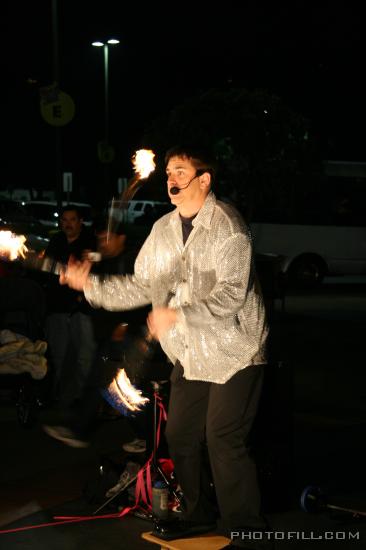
(12, 246)
(123, 392)
(143, 163)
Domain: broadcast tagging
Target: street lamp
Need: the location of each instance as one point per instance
(107, 151)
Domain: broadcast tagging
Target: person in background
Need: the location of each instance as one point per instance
(196, 268)
(68, 327)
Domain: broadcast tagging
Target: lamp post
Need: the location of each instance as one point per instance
(105, 151)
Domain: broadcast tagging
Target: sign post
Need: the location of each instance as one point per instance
(67, 184)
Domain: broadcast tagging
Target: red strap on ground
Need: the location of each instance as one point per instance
(72, 519)
(143, 489)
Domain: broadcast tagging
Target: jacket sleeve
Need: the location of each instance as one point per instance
(124, 292)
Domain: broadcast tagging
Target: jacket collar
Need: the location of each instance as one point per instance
(204, 215)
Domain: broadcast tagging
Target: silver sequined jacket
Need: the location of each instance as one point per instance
(221, 324)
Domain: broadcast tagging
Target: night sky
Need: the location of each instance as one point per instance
(311, 54)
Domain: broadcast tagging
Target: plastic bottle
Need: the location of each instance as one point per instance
(160, 494)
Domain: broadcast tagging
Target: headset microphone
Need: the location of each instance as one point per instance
(175, 190)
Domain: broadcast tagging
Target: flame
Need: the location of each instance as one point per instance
(143, 162)
(12, 246)
(123, 392)
(143, 165)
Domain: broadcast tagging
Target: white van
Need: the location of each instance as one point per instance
(309, 252)
(137, 208)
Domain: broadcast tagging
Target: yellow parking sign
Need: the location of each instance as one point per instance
(106, 152)
(57, 108)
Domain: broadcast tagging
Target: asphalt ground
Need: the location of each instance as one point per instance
(314, 435)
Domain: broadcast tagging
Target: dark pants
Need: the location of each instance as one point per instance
(72, 350)
(220, 415)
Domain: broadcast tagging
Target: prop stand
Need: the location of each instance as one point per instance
(157, 470)
(153, 462)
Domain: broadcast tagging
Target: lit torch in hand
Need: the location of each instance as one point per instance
(120, 393)
(12, 246)
(143, 165)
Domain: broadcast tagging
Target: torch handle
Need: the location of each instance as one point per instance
(50, 265)
(47, 264)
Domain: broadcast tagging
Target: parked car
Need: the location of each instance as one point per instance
(140, 210)
(14, 217)
(48, 214)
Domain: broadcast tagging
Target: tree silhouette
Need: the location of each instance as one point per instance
(266, 154)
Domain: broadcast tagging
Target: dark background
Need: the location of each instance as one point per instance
(310, 54)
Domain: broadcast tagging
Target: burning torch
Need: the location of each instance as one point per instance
(143, 164)
(12, 246)
(120, 393)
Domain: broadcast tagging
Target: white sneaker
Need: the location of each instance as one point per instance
(135, 446)
(125, 480)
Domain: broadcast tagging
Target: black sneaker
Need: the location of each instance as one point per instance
(179, 529)
(66, 435)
